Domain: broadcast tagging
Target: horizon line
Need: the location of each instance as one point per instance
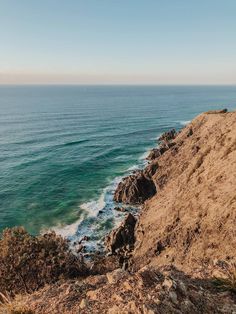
(117, 84)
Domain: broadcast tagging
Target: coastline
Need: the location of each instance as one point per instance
(175, 255)
(105, 208)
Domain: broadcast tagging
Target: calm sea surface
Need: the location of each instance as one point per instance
(64, 148)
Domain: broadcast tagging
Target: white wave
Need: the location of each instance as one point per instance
(68, 230)
(144, 155)
(122, 157)
(157, 137)
(184, 122)
(93, 207)
(132, 168)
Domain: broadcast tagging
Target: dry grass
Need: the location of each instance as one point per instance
(9, 306)
(227, 282)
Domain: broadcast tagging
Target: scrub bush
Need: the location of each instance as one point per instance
(29, 262)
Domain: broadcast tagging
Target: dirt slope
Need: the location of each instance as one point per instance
(190, 222)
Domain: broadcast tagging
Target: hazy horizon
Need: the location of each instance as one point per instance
(110, 43)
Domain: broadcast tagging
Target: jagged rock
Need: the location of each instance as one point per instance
(157, 152)
(190, 132)
(166, 140)
(120, 209)
(151, 169)
(121, 236)
(135, 189)
(217, 111)
(154, 153)
(168, 136)
(138, 187)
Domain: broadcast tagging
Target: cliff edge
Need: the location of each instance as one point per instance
(190, 222)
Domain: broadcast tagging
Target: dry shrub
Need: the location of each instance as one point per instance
(9, 306)
(27, 262)
(227, 282)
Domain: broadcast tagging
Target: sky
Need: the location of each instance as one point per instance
(117, 42)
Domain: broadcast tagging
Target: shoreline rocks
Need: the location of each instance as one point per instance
(135, 189)
(139, 186)
(121, 237)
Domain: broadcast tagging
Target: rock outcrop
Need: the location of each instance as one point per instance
(123, 236)
(165, 143)
(135, 189)
(138, 187)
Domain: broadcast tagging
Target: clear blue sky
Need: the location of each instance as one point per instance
(118, 41)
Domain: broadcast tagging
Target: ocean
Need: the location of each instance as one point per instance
(65, 148)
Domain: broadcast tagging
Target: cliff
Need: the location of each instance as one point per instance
(190, 222)
(178, 255)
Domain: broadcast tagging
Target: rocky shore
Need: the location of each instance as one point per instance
(177, 255)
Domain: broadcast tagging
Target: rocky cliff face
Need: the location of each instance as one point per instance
(190, 222)
(140, 186)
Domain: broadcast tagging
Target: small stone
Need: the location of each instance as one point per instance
(96, 280)
(115, 275)
(80, 248)
(182, 288)
(173, 297)
(92, 294)
(167, 283)
(83, 304)
(147, 309)
(187, 306)
(117, 297)
(132, 307)
(114, 310)
(157, 301)
(127, 286)
(120, 209)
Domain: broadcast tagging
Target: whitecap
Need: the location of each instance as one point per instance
(133, 168)
(184, 122)
(157, 137)
(144, 155)
(93, 207)
(66, 231)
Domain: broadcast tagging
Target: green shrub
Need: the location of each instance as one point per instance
(27, 263)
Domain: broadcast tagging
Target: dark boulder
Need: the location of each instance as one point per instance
(154, 153)
(122, 236)
(217, 111)
(168, 136)
(151, 169)
(120, 209)
(135, 189)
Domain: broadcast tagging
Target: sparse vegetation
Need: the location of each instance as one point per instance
(29, 262)
(228, 280)
(9, 306)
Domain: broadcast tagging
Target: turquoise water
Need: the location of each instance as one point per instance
(63, 148)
